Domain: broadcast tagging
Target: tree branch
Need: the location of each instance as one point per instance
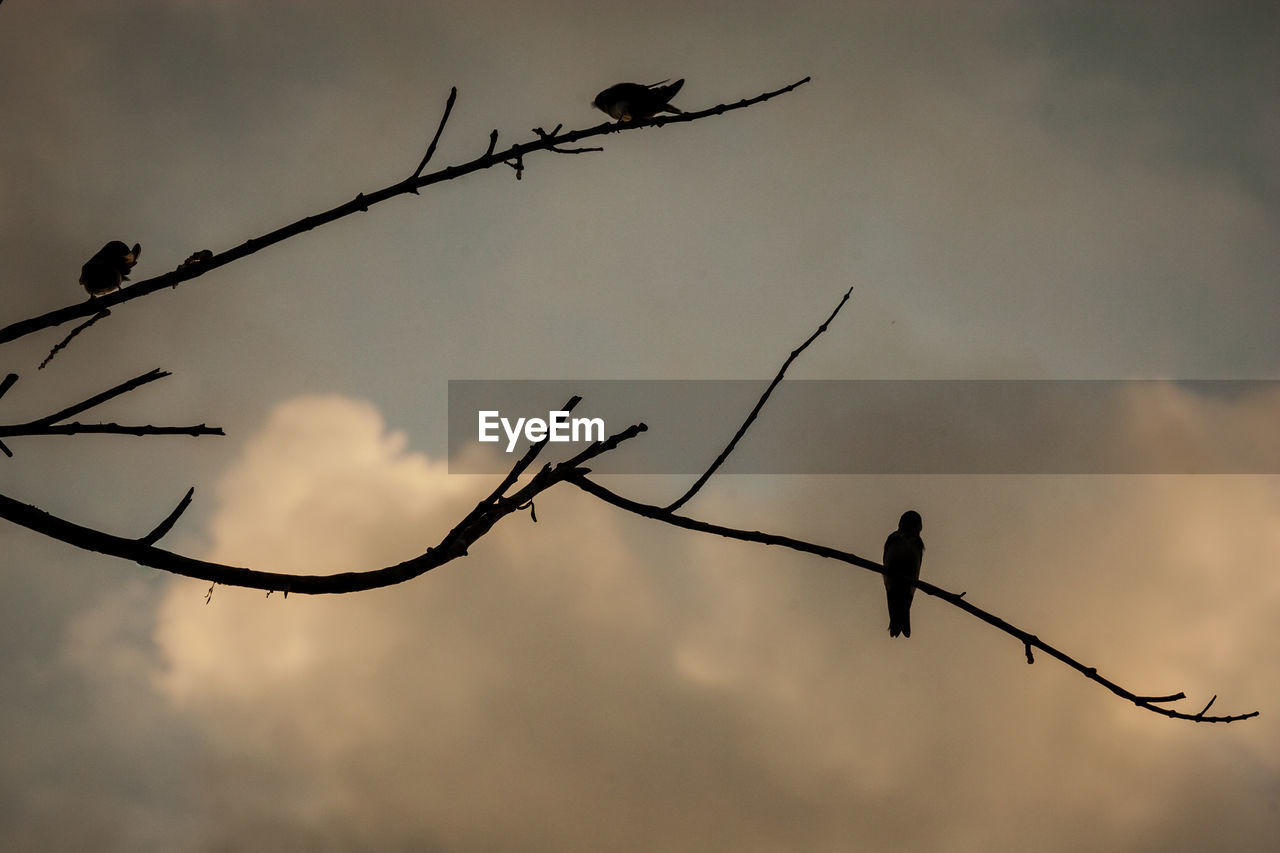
(664, 515)
(764, 398)
(49, 424)
(99, 399)
(362, 202)
(431, 149)
(455, 544)
(667, 515)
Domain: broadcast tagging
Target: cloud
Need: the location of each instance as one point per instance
(593, 681)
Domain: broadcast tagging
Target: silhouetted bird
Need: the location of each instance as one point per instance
(903, 551)
(633, 102)
(108, 269)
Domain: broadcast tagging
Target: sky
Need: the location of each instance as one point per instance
(1013, 190)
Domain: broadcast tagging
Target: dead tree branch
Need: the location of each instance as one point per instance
(52, 424)
(664, 515)
(667, 515)
(764, 398)
(361, 203)
(62, 344)
(455, 543)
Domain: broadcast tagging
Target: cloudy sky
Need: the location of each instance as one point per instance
(1013, 191)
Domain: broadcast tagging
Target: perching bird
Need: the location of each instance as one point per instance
(903, 551)
(633, 102)
(108, 269)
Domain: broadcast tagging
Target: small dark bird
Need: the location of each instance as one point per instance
(108, 269)
(903, 552)
(633, 102)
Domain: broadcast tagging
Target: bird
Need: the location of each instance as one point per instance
(903, 552)
(109, 268)
(634, 102)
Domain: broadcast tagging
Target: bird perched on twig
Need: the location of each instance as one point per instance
(903, 552)
(109, 268)
(634, 102)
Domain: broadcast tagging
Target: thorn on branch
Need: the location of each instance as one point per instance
(493, 142)
(1030, 658)
(360, 203)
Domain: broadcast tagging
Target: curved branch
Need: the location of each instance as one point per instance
(657, 513)
(455, 543)
(362, 202)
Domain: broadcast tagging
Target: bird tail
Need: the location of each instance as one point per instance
(902, 627)
(669, 92)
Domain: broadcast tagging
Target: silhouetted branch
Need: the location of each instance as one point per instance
(455, 543)
(77, 428)
(667, 515)
(542, 134)
(664, 515)
(99, 399)
(165, 526)
(764, 398)
(61, 345)
(431, 149)
(362, 202)
(49, 424)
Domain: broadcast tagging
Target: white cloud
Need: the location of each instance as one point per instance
(557, 690)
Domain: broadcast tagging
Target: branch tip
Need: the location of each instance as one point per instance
(764, 398)
(431, 148)
(165, 526)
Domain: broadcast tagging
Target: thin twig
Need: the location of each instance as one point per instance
(77, 428)
(764, 398)
(61, 345)
(165, 526)
(431, 149)
(99, 399)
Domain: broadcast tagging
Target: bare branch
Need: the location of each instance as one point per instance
(764, 398)
(7, 383)
(49, 424)
(77, 428)
(99, 399)
(362, 202)
(542, 134)
(455, 543)
(955, 599)
(62, 344)
(165, 526)
(431, 149)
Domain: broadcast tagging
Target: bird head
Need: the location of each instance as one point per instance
(911, 523)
